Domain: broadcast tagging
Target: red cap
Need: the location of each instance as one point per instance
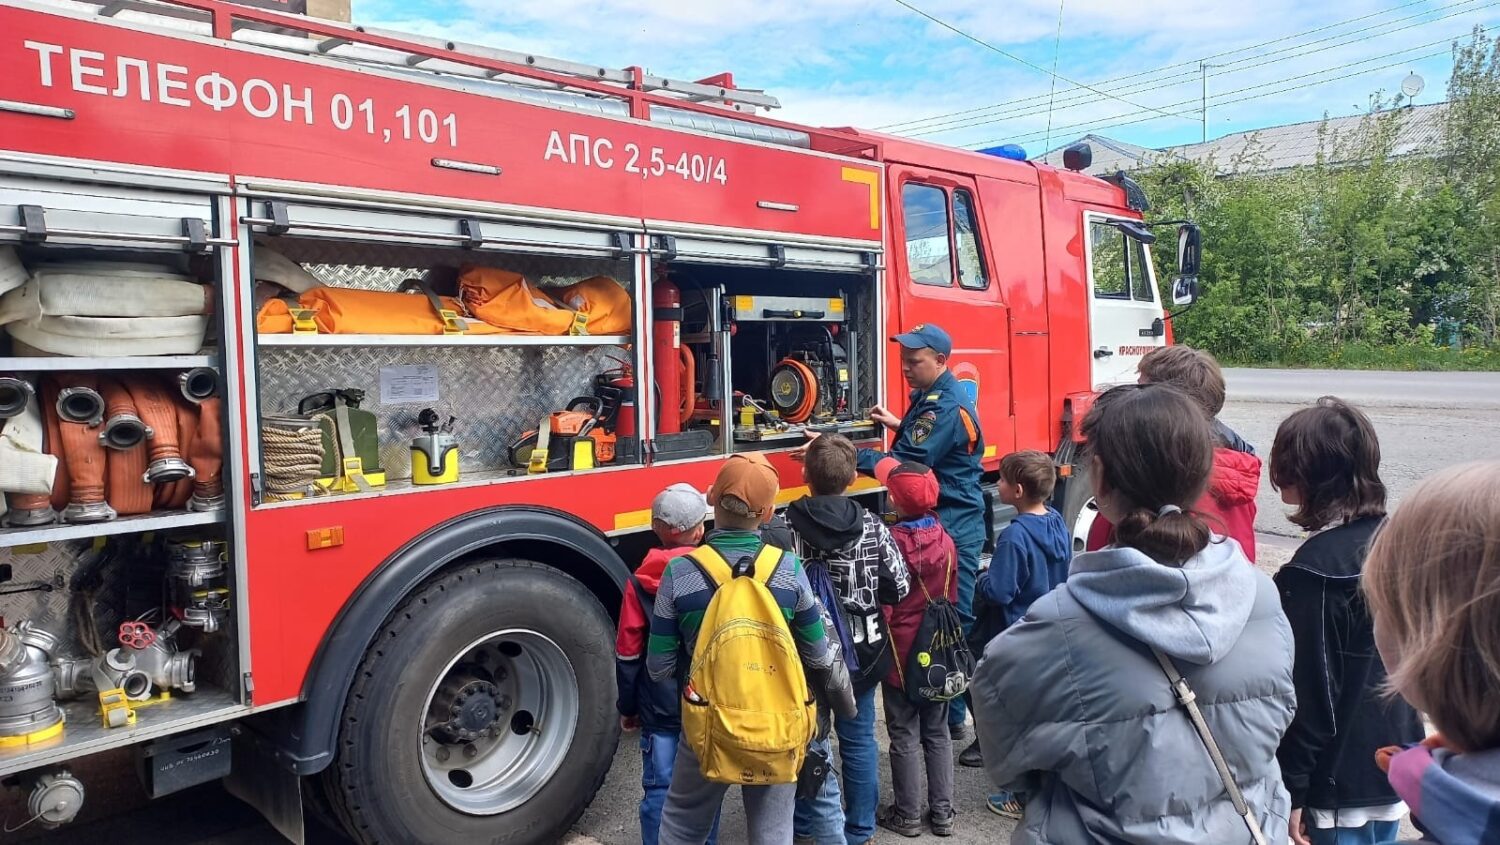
(912, 486)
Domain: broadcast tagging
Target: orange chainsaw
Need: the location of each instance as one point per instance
(575, 440)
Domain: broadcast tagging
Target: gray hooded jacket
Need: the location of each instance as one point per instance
(1073, 709)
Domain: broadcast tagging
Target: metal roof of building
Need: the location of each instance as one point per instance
(1268, 150)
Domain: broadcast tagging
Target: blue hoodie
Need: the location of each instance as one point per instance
(1031, 557)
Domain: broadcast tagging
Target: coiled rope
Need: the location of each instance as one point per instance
(292, 452)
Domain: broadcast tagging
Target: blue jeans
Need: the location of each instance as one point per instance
(860, 757)
(1368, 834)
(821, 818)
(968, 571)
(658, 751)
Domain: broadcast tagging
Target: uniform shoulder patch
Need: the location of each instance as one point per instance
(933, 397)
(921, 428)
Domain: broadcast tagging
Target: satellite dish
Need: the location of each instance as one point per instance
(1412, 85)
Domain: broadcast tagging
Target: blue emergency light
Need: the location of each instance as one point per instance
(1010, 151)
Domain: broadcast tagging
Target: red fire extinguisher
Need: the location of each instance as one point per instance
(674, 363)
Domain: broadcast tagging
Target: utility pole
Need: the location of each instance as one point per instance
(1203, 72)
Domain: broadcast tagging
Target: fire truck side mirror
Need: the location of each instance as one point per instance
(1189, 257)
(1189, 249)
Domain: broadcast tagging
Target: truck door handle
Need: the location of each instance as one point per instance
(1103, 352)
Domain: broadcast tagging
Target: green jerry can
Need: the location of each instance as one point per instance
(351, 444)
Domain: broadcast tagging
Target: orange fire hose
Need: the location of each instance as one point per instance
(125, 484)
(174, 495)
(159, 411)
(87, 463)
(207, 452)
(809, 401)
(54, 444)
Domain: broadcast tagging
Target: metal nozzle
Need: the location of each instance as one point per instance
(198, 384)
(80, 405)
(124, 431)
(15, 396)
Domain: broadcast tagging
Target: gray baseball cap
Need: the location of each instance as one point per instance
(681, 506)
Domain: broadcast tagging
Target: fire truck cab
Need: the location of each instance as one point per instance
(339, 370)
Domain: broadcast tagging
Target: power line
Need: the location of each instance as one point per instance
(1013, 57)
(1118, 120)
(910, 125)
(1238, 66)
(1056, 46)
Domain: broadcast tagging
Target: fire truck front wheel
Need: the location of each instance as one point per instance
(483, 712)
(1079, 510)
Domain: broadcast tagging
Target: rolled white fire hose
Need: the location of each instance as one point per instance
(112, 336)
(268, 265)
(24, 467)
(85, 292)
(12, 273)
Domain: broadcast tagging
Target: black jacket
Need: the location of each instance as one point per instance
(865, 568)
(1328, 754)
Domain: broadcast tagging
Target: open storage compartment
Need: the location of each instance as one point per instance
(778, 340)
(451, 399)
(118, 577)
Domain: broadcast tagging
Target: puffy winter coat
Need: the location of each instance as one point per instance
(1229, 503)
(1073, 710)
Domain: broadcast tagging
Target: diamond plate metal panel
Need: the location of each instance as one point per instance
(131, 583)
(496, 392)
(385, 266)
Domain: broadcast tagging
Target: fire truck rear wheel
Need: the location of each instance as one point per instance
(483, 712)
(1079, 509)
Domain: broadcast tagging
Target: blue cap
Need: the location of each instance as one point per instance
(926, 336)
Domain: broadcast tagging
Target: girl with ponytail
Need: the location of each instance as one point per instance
(1073, 703)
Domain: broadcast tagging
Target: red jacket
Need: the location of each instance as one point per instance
(1229, 503)
(931, 560)
(655, 704)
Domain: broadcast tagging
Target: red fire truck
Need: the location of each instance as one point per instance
(341, 368)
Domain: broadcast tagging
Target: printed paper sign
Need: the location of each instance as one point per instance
(408, 384)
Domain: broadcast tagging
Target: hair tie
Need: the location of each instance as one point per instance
(1166, 509)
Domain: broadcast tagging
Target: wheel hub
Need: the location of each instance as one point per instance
(499, 721)
(467, 705)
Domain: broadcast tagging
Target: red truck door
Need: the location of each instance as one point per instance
(942, 273)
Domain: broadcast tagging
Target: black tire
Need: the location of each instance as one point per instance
(1078, 506)
(377, 785)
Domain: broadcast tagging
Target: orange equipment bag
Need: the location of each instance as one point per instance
(508, 302)
(353, 311)
(274, 317)
(602, 301)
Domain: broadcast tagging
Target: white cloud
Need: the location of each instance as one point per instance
(873, 62)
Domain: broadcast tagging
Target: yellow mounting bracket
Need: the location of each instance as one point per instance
(303, 321)
(115, 709)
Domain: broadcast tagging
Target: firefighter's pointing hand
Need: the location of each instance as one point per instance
(800, 453)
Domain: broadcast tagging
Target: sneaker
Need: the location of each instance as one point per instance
(1005, 804)
(891, 820)
(942, 823)
(960, 733)
(972, 756)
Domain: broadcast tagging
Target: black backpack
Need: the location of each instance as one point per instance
(940, 664)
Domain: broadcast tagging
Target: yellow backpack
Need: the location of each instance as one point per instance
(747, 711)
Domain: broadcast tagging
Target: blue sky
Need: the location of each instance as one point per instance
(874, 63)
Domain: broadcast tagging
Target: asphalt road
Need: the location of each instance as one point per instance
(1425, 420)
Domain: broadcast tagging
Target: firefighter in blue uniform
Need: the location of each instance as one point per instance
(940, 429)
